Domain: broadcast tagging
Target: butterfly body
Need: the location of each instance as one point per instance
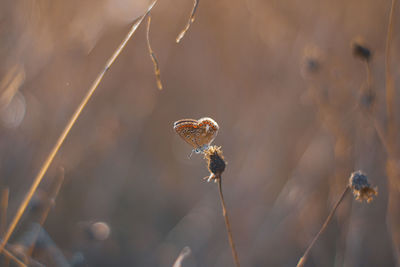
(197, 133)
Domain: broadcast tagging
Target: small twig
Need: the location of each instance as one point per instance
(67, 129)
(227, 224)
(190, 21)
(303, 259)
(152, 55)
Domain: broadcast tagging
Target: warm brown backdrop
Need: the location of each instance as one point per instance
(241, 63)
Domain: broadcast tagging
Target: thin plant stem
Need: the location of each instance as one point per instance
(14, 258)
(185, 252)
(369, 74)
(153, 55)
(190, 21)
(227, 224)
(4, 206)
(369, 114)
(391, 169)
(390, 92)
(3, 221)
(303, 259)
(67, 129)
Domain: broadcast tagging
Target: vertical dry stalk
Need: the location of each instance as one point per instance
(216, 166)
(153, 55)
(369, 114)
(392, 169)
(303, 259)
(3, 221)
(227, 224)
(390, 92)
(67, 129)
(4, 206)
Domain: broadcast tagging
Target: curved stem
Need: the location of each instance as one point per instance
(328, 219)
(67, 129)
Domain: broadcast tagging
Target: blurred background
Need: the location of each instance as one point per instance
(280, 79)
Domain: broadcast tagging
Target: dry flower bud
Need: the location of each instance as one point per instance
(360, 50)
(311, 62)
(362, 190)
(215, 162)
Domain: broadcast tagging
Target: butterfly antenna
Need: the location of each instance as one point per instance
(190, 155)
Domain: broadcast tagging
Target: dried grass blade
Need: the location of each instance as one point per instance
(190, 21)
(67, 129)
(153, 55)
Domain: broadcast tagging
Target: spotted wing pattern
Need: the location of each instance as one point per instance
(197, 133)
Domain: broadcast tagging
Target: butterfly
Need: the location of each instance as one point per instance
(197, 133)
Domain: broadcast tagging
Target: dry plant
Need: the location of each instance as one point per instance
(190, 21)
(68, 128)
(361, 189)
(43, 169)
(388, 136)
(216, 165)
(392, 168)
(153, 55)
(185, 252)
(367, 103)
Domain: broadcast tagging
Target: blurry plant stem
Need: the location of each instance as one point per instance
(303, 259)
(65, 132)
(4, 206)
(369, 114)
(227, 224)
(50, 204)
(392, 168)
(190, 21)
(14, 258)
(3, 221)
(390, 92)
(369, 75)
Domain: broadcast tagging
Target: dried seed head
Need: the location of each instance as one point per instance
(311, 62)
(360, 50)
(362, 190)
(215, 162)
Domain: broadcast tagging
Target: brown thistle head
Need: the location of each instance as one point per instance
(360, 50)
(215, 162)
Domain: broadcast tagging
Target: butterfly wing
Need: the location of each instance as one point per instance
(197, 133)
(208, 129)
(187, 129)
